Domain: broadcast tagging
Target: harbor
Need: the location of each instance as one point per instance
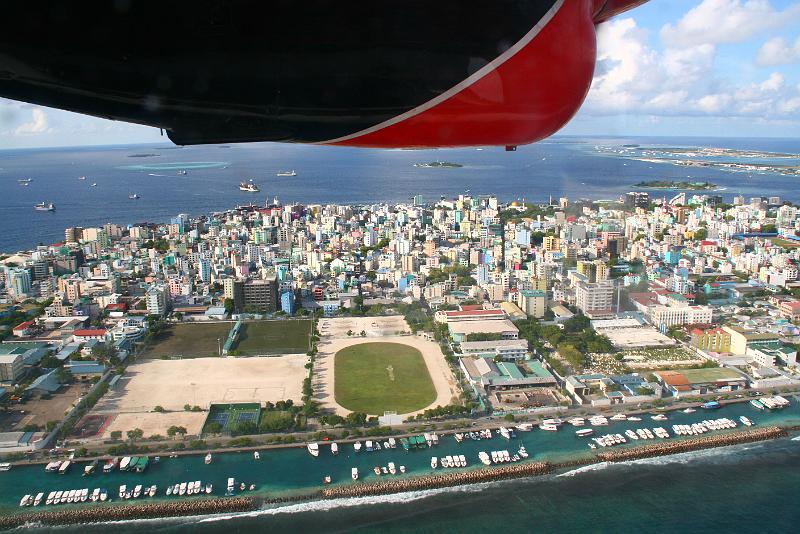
(290, 474)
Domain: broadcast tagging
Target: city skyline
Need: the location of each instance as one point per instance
(689, 67)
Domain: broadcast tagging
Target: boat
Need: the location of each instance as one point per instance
(25, 501)
(392, 468)
(89, 469)
(757, 404)
(94, 184)
(24, 181)
(81, 177)
(62, 470)
(357, 446)
(549, 428)
(256, 455)
(5, 466)
(42, 206)
(584, 432)
(523, 453)
(354, 473)
(745, 421)
(619, 417)
(377, 470)
(125, 463)
(137, 491)
(658, 417)
(122, 490)
(689, 410)
(368, 445)
(52, 467)
(402, 469)
(313, 449)
(231, 486)
(392, 443)
(505, 433)
(711, 405)
(326, 479)
(484, 458)
(334, 448)
(133, 196)
(110, 465)
(248, 187)
(434, 462)
(286, 173)
(634, 418)
(103, 495)
(207, 458)
(524, 427)
(209, 488)
(153, 490)
(169, 491)
(38, 499)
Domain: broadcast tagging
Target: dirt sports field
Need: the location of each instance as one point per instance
(172, 384)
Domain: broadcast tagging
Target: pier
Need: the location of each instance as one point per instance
(130, 511)
(439, 480)
(695, 444)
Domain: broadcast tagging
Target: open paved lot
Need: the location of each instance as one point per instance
(38, 411)
(390, 325)
(329, 345)
(172, 384)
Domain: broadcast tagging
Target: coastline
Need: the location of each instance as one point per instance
(390, 486)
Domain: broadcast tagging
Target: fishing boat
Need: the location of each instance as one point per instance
(354, 473)
(248, 187)
(42, 206)
(256, 455)
(286, 173)
(334, 448)
(313, 449)
(207, 458)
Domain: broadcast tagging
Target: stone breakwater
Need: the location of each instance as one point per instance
(98, 514)
(439, 480)
(695, 444)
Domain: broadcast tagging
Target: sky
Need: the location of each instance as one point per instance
(718, 68)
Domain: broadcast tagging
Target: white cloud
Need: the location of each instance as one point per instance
(777, 51)
(37, 125)
(726, 21)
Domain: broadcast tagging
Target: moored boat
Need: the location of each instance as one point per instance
(208, 459)
(334, 448)
(313, 449)
(354, 473)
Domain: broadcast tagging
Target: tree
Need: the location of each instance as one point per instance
(159, 409)
(136, 433)
(213, 428)
(229, 306)
(174, 430)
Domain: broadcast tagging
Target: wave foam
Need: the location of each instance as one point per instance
(585, 469)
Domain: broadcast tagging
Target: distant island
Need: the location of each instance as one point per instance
(663, 184)
(143, 155)
(438, 165)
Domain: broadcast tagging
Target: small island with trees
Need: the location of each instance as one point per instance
(665, 184)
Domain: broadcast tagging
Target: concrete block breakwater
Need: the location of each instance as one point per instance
(439, 480)
(130, 511)
(695, 444)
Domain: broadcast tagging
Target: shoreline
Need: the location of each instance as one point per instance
(390, 486)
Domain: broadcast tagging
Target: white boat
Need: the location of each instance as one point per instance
(484, 458)
(133, 196)
(182, 488)
(62, 470)
(122, 489)
(619, 417)
(459, 437)
(50, 497)
(209, 488)
(42, 206)
(207, 458)
(392, 443)
(392, 468)
(256, 455)
(124, 463)
(52, 467)
(354, 473)
(584, 432)
(402, 469)
(631, 434)
(153, 490)
(524, 427)
(552, 421)
(286, 173)
(103, 495)
(57, 497)
(357, 446)
(745, 421)
(231, 485)
(577, 421)
(523, 452)
(634, 418)
(462, 460)
(505, 433)
(689, 410)
(5, 466)
(434, 462)
(313, 449)
(94, 184)
(549, 428)
(334, 448)
(25, 501)
(38, 499)
(169, 491)
(81, 177)
(248, 187)
(658, 417)
(137, 491)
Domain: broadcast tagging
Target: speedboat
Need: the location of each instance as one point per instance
(334, 448)
(326, 479)
(357, 446)
(689, 410)
(208, 458)
(256, 455)
(313, 449)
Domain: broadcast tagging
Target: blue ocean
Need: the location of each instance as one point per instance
(561, 166)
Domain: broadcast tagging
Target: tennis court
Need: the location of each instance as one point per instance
(228, 416)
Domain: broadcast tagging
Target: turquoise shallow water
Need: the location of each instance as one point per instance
(703, 481)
